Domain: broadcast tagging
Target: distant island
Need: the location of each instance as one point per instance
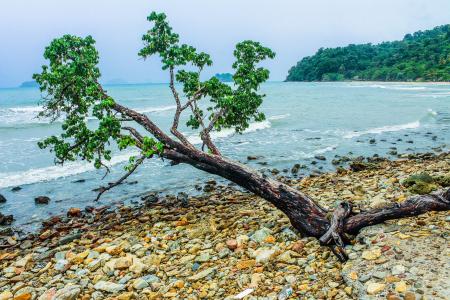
(224, 77)
(29, 84)
(421, 56)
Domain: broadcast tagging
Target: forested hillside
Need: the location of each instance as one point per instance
(421, 56)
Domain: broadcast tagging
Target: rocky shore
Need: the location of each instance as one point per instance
(228, 244)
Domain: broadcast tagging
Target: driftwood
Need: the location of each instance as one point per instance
(309, 218)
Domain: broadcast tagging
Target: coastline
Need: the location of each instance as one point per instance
(225, 241)
(378, 82)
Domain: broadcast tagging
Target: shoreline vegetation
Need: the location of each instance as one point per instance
(226, 243)
(420, 57)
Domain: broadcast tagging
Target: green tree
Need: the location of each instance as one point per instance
(418, 55)
(71, 90)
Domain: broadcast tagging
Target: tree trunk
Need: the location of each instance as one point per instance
(305, 215)
(308, 217)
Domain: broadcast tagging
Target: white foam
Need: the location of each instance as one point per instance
(21, 115)
(28, 114)
(389, 87)
(324, 150)
(279, 117)
(156, 109)
(432, 112)
(54, 172)
(195, 139)
(379, 130)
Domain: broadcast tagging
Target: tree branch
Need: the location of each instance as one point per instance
(176, 119)
(121, 179)
(416, 205)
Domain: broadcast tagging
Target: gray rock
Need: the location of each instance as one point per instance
(69, 238)
(68, 293)
(109, 287)
(260, 235)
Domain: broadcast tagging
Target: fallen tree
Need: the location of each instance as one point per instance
(71, 91)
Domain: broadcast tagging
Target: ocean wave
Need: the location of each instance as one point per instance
(324, 150)
(389, 87)
(156, 109)
(195, 139)
(278, 117)
(54, 172)
(21, 115)
(27, 115)
(378, 130)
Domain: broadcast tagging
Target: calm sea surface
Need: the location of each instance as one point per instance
(303, 120)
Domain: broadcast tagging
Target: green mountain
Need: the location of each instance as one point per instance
(29, 84)
(421, 56)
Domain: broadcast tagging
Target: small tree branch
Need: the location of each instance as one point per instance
(204, 134)
(416, 205)
(176, 119)
(102, 190)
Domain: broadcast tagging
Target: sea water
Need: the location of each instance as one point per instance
(303, 120)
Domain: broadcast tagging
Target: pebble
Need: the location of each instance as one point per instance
(230, 241)
(375, 288)
(110, 287)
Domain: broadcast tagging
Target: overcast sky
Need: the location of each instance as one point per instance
(293, 29)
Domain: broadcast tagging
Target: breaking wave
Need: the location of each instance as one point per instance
(378, 130)
(26, 115)
(54, 172)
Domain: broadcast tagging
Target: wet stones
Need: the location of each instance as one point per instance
(6, 219)
(74, 212)
(41, 200)
(2, 199)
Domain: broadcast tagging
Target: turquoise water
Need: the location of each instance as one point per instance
(303, 120)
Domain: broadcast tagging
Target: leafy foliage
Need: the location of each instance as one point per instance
(422, 56)
(228, 107)
(71, 92)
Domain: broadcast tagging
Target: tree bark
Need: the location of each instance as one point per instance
(305, 215)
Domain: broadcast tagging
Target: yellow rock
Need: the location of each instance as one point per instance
(244, 264)
(256, 278)
(170, 295)
(303, 287)
(113, 250)
(353, 275)
(125, 296)
(400, 287)
(26, 296)
(348, 290)
(401, 198)
(6, 295)
(371, 254)
(269, 239)
(123, 263)
(179, 284)
(403, 236)
(391, 279)
(375, 288)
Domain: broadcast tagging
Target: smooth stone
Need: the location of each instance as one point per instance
(260, 235)
(374, 288)
(398, 269)
(108, 286)
(140, 284)
(67, 293)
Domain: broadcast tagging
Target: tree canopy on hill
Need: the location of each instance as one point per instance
(421, 56)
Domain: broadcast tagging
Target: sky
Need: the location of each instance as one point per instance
(292, 28)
